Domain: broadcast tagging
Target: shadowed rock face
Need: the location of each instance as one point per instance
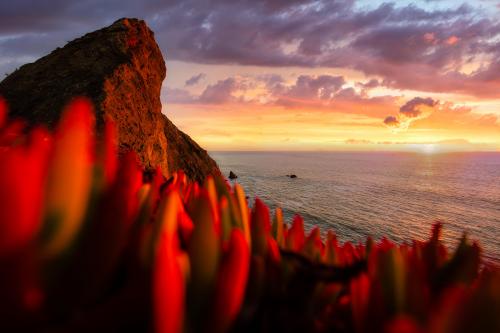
(121, 69)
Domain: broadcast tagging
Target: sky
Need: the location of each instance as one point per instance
(302, 75)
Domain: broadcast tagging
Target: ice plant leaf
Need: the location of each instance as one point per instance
(166, 219)
(186, 226)
(231, 282)
(203, 250)
(360, 292)
(391, 272)
(168, 287)
(22, 179)
(243, 207)
(121, 201)
(273, 250)
(143, 194)
(212, 194)
(105, 238)
(69, 178)
(260, 227)
(331, 249)
(169, 282)
(313, 246)
(462, 267)
(296, 237)
(277, 227)
(225, 218)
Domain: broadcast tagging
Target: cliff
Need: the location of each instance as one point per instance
(121, 69)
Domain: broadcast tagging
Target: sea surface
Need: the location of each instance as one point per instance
(399, 195)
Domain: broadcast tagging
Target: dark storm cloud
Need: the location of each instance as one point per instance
(408, 47)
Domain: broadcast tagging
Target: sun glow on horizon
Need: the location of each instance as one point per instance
(427, 148)
(234, 127)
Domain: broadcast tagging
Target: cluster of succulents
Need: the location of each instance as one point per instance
(88, 243)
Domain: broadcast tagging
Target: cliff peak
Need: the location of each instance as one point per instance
(121, 69)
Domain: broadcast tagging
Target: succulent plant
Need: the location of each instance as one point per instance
(89, 244)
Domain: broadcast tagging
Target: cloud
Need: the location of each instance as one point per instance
(358, 142)
(392, 121)
(308, 93)
(406, 46)
(273, 82)
(427, 113)
(195, 79)
(373, 83)
(177, 96)
(220, 92)
(458, 117)
(413, 46)
(414, 109)
(308, 87)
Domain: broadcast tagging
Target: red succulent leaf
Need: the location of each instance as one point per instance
(204, 250)
(69, 176)
(313, 247)
(225, 218)
(260, 225)
(231, 282)
(273, 251)
(212, 194)
(360, 293)
(331, 255)
(168, 288)
(186, 226)
(277, 227)
(22, 179)
(295, 238)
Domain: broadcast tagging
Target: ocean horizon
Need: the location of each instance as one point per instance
(398, 195)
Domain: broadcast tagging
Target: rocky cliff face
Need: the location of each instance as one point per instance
(121, 69)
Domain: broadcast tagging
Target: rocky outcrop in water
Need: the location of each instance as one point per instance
(121, 69)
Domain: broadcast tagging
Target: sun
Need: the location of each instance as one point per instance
(429, 149)
(426, 148)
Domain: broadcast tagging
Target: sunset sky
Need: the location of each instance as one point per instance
(302, 75)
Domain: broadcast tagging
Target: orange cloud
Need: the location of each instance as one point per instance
(452, 40)
(415, 109)
(269, 112)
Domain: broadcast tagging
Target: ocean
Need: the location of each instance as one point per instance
(397, 195)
